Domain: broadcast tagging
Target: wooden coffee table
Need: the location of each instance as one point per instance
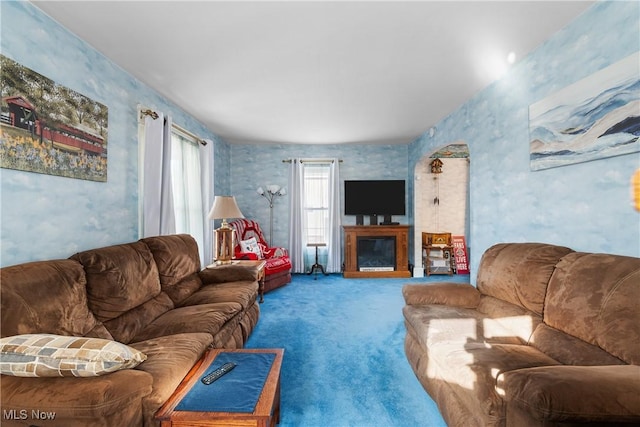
(266, 412)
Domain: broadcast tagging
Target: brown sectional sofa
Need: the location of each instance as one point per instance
(151, 295)
(550, 337)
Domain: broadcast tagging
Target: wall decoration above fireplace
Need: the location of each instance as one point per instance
(594, 118)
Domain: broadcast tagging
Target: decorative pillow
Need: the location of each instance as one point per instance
(48, 355)
(251, 245)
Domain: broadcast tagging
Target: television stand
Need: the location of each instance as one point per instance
(398, 267)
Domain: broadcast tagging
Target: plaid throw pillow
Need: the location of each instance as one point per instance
(47, 355)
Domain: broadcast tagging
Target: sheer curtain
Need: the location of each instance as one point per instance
(176, 183)
(187, 188)
(157, 199)
(315, 211)
(297, 233)
(334, 233)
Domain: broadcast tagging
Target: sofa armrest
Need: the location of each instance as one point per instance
(227, 273)
(448, 293)
(574, 393)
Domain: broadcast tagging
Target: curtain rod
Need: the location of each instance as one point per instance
(155, 115)
(312, 160)
(190, 134)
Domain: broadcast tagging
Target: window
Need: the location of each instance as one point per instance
(175, 181)
(185, 185)
(316, 202)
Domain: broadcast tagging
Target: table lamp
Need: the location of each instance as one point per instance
(224, 237)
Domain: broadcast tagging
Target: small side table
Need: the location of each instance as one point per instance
(317, 265)
(248, 263)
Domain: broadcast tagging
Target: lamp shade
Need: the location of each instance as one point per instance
(225, 207)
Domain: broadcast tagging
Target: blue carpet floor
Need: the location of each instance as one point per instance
(344, 362)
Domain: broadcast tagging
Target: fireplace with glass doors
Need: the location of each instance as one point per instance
(376, 251)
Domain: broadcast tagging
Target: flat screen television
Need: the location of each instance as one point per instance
(374, 197)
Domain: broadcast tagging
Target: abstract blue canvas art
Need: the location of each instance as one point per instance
(597, 117)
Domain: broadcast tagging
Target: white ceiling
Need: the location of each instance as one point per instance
(315, 72)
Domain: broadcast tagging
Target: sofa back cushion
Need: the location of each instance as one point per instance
(119, 278)
(518, 321)
(570, 350)
(594, 297)
(46, 297)
(178, 262)
(519, 272)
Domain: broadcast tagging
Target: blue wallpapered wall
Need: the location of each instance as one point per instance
(585, 206)
(253, 166)
(45, 217)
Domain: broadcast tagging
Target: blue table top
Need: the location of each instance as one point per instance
(236, 391)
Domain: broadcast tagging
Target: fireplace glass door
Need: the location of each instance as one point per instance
(376, 253)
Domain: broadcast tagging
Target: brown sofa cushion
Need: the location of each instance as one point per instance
(595, 297)
(454, 294)
(183, 289)
(241, 292)
(520, 321)
(570, 350)
(178, 262)
(169, 358)
(472, 369)
(108, 400)
(519, 272)
(176, 256)
(119, 278)
(434, 324)
(209, 318)
(227, 273)
(125, 327)
(45, 297)
(579, 394)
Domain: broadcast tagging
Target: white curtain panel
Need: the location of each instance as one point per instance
(167, 213)
(297, 238)
(157, 206)
(206, 168)
(152, 175)
(187, 189)
(334, 246)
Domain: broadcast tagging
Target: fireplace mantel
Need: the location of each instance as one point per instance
(353, 232)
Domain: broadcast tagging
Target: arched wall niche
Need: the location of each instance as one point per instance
(441, 200)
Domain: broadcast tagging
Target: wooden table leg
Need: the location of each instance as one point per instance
(261, 286)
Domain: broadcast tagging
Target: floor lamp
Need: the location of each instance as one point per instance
(224, 237)
(270, 194)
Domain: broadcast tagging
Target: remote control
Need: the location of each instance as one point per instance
(214, 375)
